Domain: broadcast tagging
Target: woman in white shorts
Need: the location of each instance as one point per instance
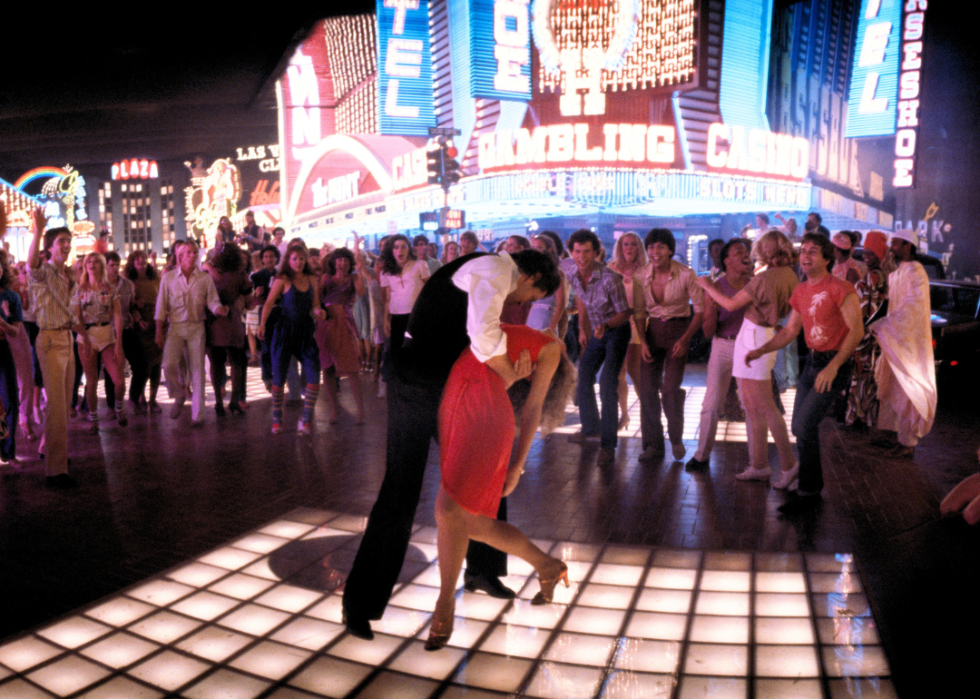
(766, 300)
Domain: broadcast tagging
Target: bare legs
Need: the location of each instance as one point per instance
(761, 419)
(631, 365)
(329, 379)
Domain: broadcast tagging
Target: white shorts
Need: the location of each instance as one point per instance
(750, 337)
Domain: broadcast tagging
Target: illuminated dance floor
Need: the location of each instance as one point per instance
(261, 617)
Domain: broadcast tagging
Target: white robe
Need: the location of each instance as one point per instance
(906, 374)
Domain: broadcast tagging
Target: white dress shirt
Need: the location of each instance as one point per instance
(487, 280)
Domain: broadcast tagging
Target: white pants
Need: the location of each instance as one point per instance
(189, 336)
(716, 391)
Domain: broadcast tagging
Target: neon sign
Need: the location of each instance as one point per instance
(409, 170)
(212, 194)
(563, 143)
(135, 169)
(908, 94)
(874, 77)
(500, 49)
(405, 67)
(757, 151)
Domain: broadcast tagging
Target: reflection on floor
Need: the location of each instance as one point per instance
(261, 616)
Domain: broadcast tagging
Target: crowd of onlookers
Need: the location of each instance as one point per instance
(296, 314)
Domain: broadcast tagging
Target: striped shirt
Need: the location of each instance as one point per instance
(51, 291)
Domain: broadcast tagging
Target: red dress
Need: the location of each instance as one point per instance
(477, 426)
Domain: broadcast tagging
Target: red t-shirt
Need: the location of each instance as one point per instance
(819, 306)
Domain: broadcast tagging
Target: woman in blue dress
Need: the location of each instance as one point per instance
(293, 334)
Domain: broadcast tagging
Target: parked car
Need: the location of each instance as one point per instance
(956, 330)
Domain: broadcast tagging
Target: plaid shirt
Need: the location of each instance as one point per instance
(52, 292)
(603, 296)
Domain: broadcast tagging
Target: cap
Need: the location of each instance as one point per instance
(907, 235)
(842, 241)
(876, 242)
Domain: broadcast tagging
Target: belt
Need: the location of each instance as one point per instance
(722, 337)
(95, 325)
(665, 320)
(57, 329)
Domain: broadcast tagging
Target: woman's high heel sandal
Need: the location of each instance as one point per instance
(439, 633)
(624, 423)
(547, 592)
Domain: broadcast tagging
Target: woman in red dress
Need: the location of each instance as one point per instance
(476, 436)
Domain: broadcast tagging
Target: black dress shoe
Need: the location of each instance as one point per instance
(360, 628)
(800, 505)
(487, 583)
(695, 464)
(60, 482)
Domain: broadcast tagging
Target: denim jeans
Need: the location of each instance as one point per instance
(609, 354)
(809, 411)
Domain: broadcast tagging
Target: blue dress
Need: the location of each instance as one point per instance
(293, 336)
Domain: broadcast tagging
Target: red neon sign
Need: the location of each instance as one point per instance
(135, 169)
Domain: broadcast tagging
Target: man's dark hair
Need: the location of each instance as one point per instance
(726, 247)
(522, 241)
(583, 236)
(559, 246)
(270, 248)
(660, 235)
(531, 262)
(113, 256)
(823, 242)
(816, 216)
(715, 241)
(52, 235)
(764, 218)
(419, 239)
(332, 260)
(278, 229)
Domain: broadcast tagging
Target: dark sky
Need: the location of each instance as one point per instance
(90, 90)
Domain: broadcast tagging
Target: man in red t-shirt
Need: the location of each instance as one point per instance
(827, 310)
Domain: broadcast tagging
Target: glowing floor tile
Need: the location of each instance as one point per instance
(722, 603)
(227, 685)
(229, 558)
(780, 582)
(730, 561)
(160, 592)
(389, 685)
(169, 670)
(786, 661)
(119, 650)
(595, 621)
(476, 605)
(214, 643)
(305, 632)
(330, 677)
(607, 596)
(581, 649)
(855, 661)
(271, 660)
(713, 687)
(430, 577)
(716, 659)
(841, 605)
(779, 604)
(22, 690)
(330, 609)
(726, 581)
(830, 562)
(204, 605)
(835, 582)
(848, 631)
(788, 689)
(68, 675)
(74, 631)
(720, 629)
(261, 569)
(398, 621)
(634, 685)
(241, 586)
(784, 631)
(545, 616)
(558, 681)
(865, 689)
(5, 673)
(286, 529)
(26, 652)
(259, 543)
(254, 619)
(671, 578)
(368, 652)
(164, 627)
(425, 553)
(412, 596)
(570, 551)
(638, 655)
(611, 574)
(415, 660)
(496, 672)
(465, 632)
(514, 640)
(667, 627)
(288, 598)
(672, 601)
(626, 555)
(122, 688)
(197, 574)
(349, 523)
(119, 611)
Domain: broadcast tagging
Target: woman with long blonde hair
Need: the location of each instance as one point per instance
(629, 257)
(98, 309)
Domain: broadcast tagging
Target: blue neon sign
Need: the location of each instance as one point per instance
(873, 95)
(500, 49)
(404, 68)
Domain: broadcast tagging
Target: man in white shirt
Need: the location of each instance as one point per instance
(459, 307)
(185, 292)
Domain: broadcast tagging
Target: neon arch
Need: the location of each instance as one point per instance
(37, 173)
(349, 145)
